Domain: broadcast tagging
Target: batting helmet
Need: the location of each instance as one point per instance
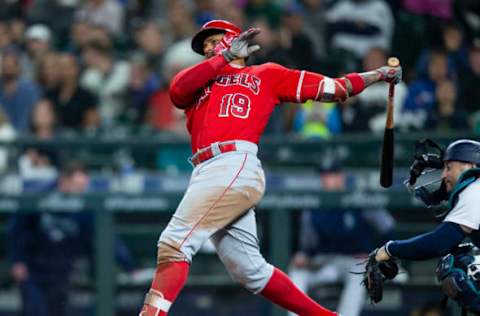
(463, 150)
(210, 28)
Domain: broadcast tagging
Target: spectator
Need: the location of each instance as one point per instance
(5, 38)
(314, 20)
(163, 116)
(107, 79)
(39, 162)
(99, 34)
(271, 50)
(318, 120)
(441, 9)
(7, 134)
(470, 94)
(142, 85)
(48, 74)
(161, 113)
(16, 29)
(44, 120)
(454, 46)
(421, 93)
(80, 32)
(17, 96)
(264, 9)
(180, 21)
(358, 25)
(106, 13)
(43, 246)
(448, 115)
(293, 38)
(38, 43)
(204, 11)
(9, 9)
(370, 107)
(230, 10)
(76, 107)
(150, 42)
(327, 252)
(57, 14)
(177, 57)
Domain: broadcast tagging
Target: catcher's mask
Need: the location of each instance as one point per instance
(425, 176)
(459, 275)
(210, 28)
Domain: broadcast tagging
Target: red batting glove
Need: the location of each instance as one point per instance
(224, 44)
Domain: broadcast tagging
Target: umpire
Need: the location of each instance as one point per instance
(459, 184)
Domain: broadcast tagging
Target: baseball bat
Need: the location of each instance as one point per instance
(386, 164)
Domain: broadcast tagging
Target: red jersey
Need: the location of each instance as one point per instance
(228, 102)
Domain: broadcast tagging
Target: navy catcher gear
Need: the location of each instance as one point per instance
(459, 275)
(464, 150)
(425, 180)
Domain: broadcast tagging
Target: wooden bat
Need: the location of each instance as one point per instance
(386, 164)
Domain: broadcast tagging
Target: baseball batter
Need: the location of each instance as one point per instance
(228, 105)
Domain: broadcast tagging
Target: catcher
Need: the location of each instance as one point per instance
(447, 182)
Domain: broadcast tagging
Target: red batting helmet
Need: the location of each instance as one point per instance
(210, 28)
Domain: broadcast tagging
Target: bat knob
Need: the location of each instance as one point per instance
(393, 62)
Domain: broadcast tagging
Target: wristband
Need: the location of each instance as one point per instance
(387, 250)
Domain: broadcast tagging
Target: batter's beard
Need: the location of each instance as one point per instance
(209, 55)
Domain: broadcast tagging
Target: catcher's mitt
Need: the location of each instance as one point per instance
(375, 274)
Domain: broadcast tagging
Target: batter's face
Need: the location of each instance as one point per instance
(452, 171)
(210, 43)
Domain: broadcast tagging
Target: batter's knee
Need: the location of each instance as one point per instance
(167, 253)
(253, 275)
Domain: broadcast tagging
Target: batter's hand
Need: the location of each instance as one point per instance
(241, 46)
(382, 255)
(390, 74)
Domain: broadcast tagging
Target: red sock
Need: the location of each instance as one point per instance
(169, 280)
(281, 291)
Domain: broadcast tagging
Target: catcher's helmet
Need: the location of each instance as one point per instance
(210, 28)
(463, 150)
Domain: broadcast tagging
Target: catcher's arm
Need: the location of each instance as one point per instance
(433, 244)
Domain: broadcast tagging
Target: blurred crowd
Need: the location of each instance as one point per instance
(94, 66)
(103, 67)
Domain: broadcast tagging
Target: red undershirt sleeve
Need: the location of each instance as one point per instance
(188, 83)
(300, 86)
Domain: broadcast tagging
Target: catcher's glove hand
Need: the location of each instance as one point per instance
(375, 274)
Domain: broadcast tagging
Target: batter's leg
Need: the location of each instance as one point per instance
(301, 278)
(237, 247)
(203, 211)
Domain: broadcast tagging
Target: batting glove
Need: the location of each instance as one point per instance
(390, 74)
(241, 46)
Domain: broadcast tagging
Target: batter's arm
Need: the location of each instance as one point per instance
(369, 78)
(300, 86)
(187, 84)
(322, 88)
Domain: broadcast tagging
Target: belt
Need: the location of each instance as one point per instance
(211, 151)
